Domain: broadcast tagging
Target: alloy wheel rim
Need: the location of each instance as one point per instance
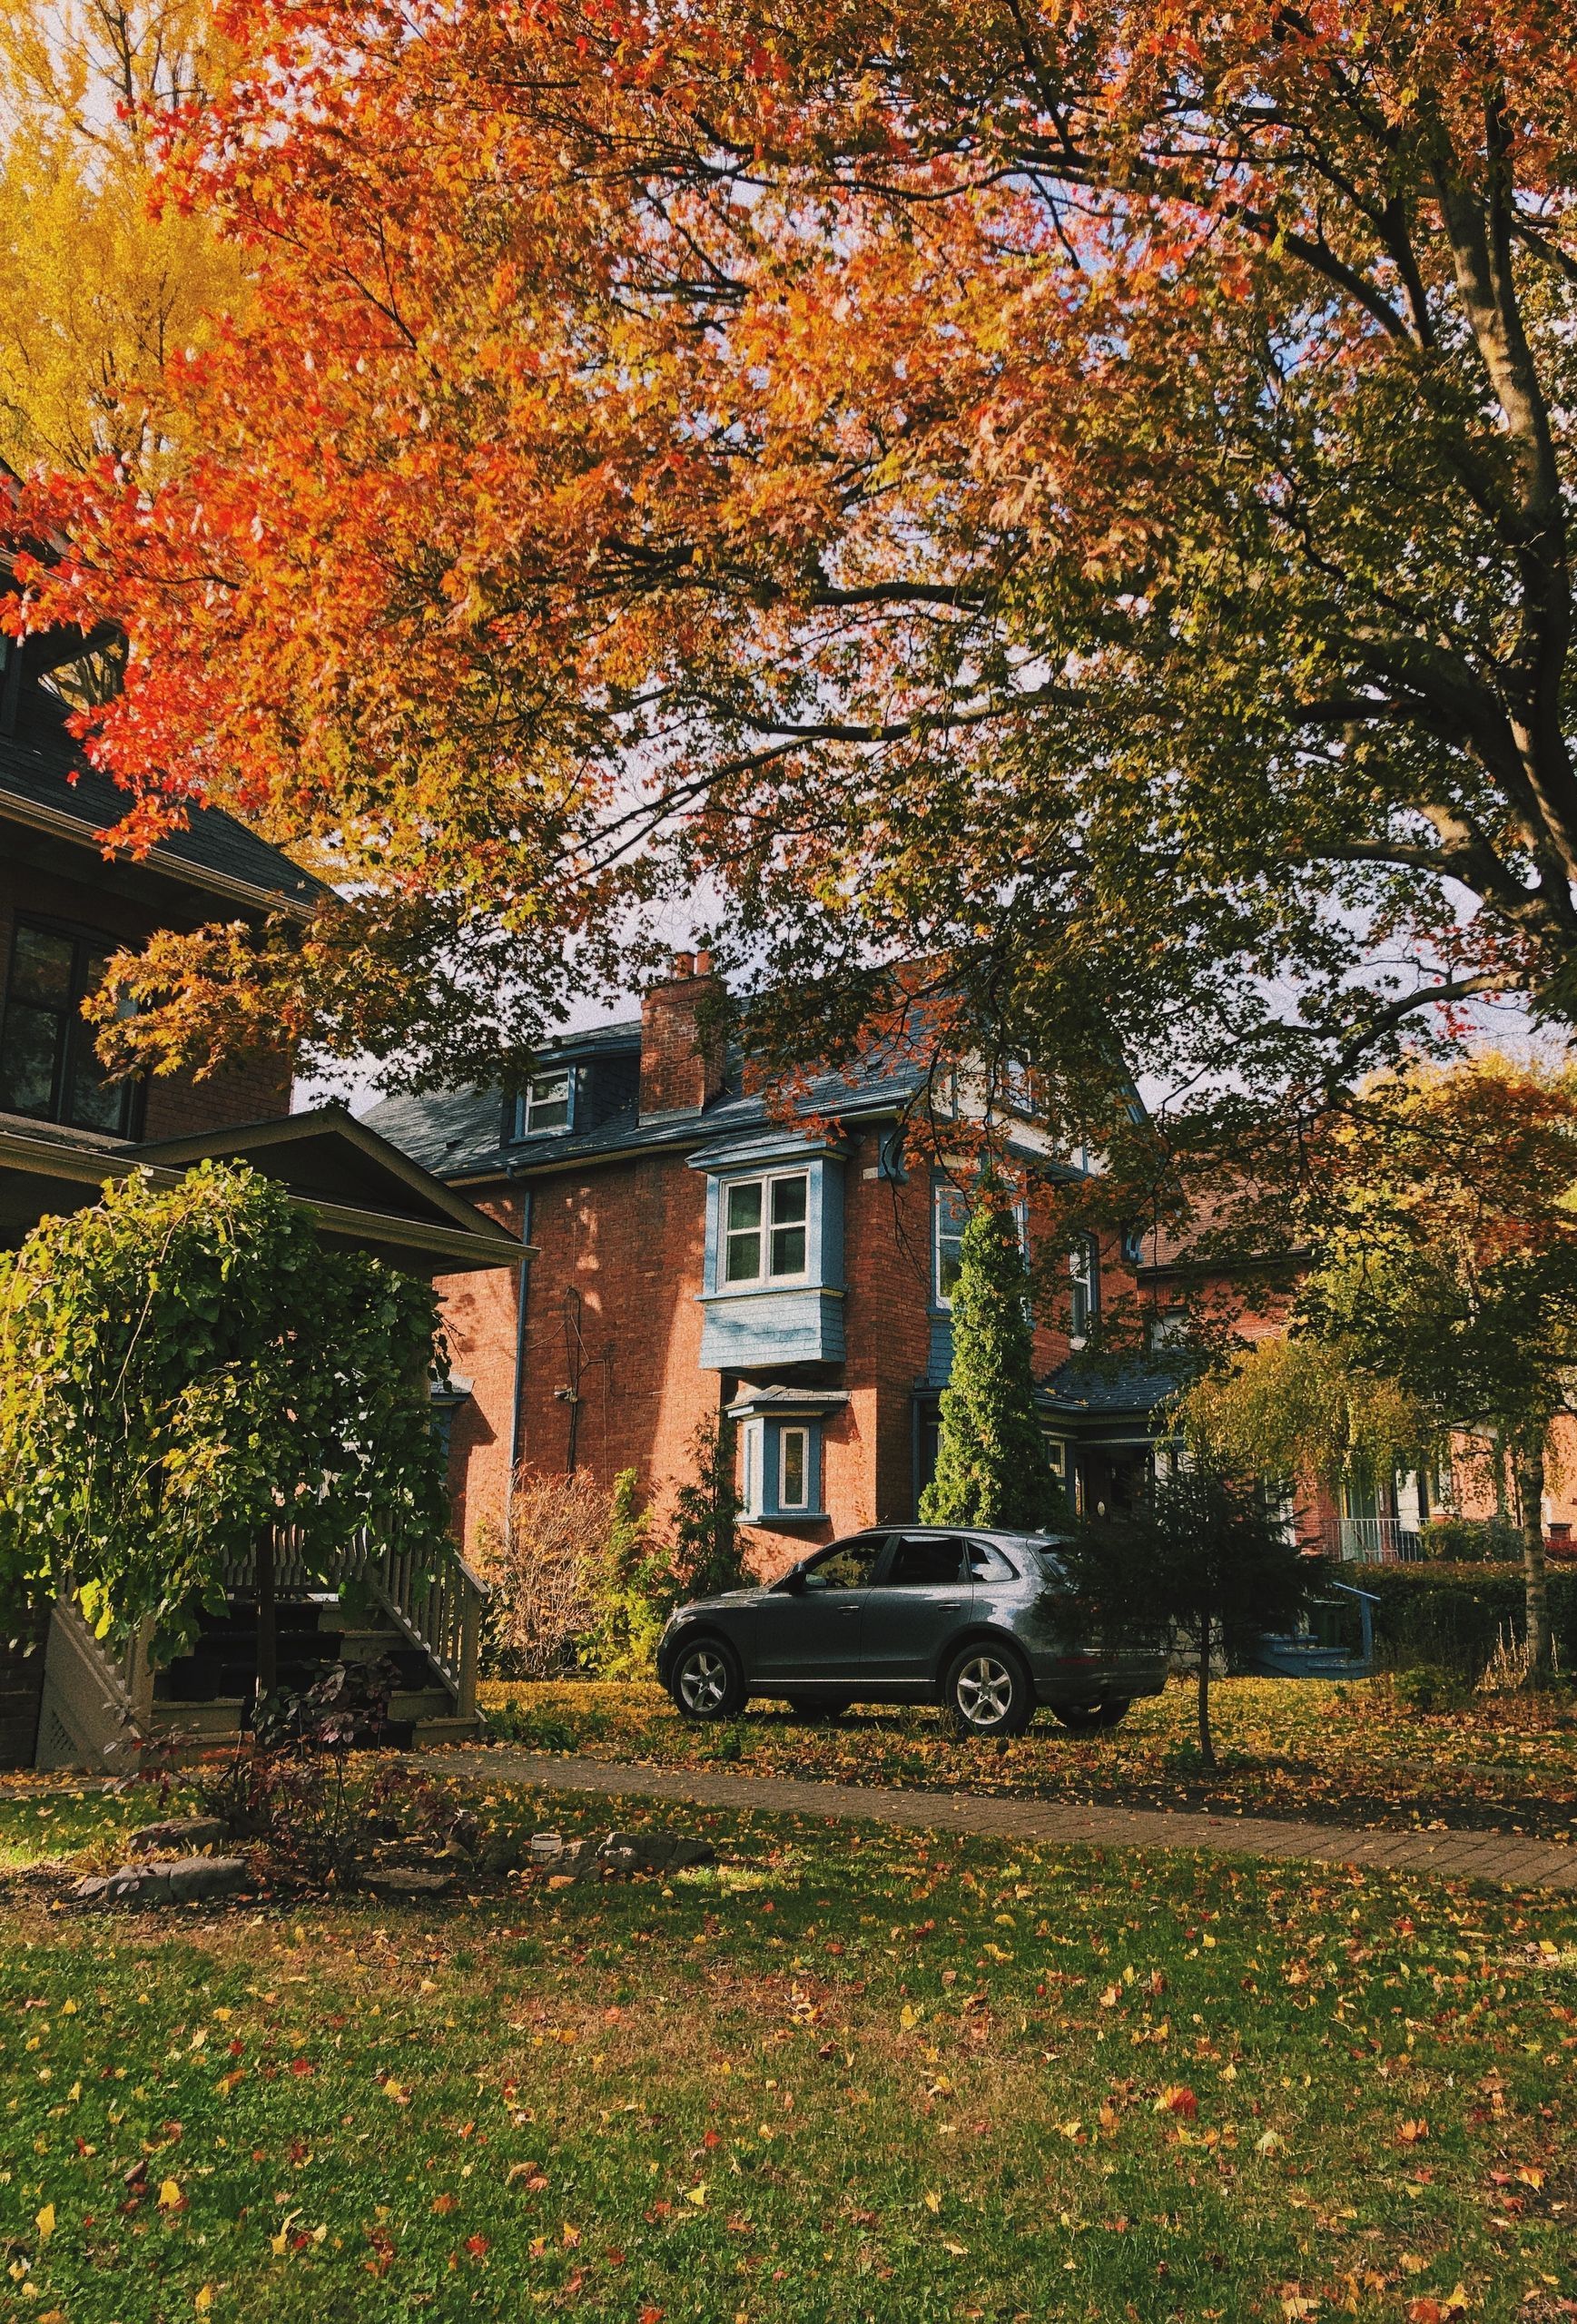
(984, 1691)
(703, 1682)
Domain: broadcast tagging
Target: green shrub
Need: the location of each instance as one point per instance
(1471, 1540)
(536, 1730)
(1455, 1616)
(1426, 1688)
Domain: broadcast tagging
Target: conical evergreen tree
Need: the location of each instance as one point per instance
(991, 1467)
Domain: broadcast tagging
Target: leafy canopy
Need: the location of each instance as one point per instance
(1076, 502)
(182, 1368)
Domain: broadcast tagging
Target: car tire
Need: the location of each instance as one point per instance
(819, 1710)
(1082, 1718)
(706, 1680)
(988, 1692)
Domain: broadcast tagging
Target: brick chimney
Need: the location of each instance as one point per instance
(681, 1072)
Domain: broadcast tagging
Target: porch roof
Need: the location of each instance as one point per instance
(363, 1193)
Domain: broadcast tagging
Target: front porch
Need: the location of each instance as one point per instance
(105, 1711)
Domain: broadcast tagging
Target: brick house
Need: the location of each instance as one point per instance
(698, 1253)
(64, 1130)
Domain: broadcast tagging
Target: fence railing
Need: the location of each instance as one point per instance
(1372, 1540)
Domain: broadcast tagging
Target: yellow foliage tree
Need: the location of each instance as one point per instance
(96, 289)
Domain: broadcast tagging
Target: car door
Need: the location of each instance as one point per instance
(807, 1631)
(919, 1597)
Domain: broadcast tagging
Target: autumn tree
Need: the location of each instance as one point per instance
(1069, 506)
(97, 293)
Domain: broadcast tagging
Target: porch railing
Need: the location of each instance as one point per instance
(1372, 1540)
(433, 1597)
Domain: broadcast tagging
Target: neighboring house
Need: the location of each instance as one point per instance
(64, 1129)
(702, 1252)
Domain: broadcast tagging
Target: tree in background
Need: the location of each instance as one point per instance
(992, 1464)
(1202, 1556)
(97, 293)
(183, 1370)
(1440, 1218)
(1293, 1411)
(1150, 605)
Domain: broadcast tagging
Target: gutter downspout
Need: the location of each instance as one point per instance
(517, 1396)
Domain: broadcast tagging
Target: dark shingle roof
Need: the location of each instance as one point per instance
(1096, 1385)
(42, 769)
(459, 1134)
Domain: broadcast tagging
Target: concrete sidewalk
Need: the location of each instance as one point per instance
(1500, 1856)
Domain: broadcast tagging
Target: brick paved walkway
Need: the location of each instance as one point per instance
(1476, 1855)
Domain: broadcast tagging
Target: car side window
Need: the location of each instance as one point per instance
(987, 1563)
(925, 1561)
(847, 1564)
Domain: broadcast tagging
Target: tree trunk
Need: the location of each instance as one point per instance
(268, 1642)
(1529, 1455)
(1206, 1748)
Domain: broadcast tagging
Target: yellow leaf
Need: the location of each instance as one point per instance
(277, 2244)
(44, 2222)
(204, 2299)
(959, 2251)
(696, 2195)
(170, 2195)
(395, 2090)
(907, 2015)
(1108, 1998)
(933, 2201)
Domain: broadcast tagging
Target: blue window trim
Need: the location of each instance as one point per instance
(519, 1129)
(761, 1470)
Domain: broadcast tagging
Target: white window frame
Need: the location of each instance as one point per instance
(764, 1277)
(1084, 1274)
(531, 1099)
(943, 1192)
(797, 1429)
(750, 1465)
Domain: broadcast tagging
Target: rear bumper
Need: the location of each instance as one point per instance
(1097, 1678)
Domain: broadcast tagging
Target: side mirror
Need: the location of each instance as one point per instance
(792, 1583)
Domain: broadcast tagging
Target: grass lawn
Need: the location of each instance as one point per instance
(848, 2074)
(1345, 1753)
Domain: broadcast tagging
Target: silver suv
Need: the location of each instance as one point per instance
(972, 1619)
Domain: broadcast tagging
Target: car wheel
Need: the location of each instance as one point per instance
(819, 1709)
(987, 1692)
(706, 1681)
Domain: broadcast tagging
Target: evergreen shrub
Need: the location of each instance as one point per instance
(1455, 1616)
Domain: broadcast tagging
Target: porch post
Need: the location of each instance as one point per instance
(470, 1644)
(268, 1644)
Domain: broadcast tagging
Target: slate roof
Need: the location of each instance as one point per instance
(42, 767)
(1089, 1385)
(459, 1134)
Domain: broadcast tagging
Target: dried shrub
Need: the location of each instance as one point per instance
(544, 1576)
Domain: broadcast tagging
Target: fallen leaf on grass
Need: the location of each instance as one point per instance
(1174, 2099)
(44, 2222)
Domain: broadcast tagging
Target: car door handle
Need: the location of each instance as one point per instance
(949, 1605)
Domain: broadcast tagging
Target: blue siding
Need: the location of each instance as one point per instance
(744, 1326)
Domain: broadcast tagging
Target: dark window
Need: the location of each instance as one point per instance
(925, 1561)
(847, 1564)
(48, 1066)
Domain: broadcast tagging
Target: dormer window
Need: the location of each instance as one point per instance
(546, 1103)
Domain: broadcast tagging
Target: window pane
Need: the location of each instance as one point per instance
(547, 1102)
(744, 1205)
(792, 1491)
(27, 1055)
(921, 1562)
(41, 968)
(788, 1200)
(788, 1250)
(848, 1567)
(951, 1215)
(93, 1103)
(742, 1217)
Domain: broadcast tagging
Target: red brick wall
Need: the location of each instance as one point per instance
(174, 1106)
(612, 1300)
(680, 1071)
